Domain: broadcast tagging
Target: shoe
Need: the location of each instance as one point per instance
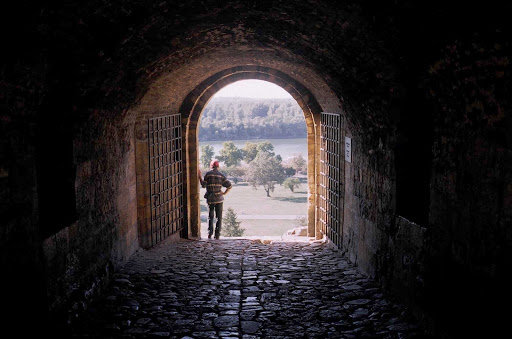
(217, 237)
(209, 236)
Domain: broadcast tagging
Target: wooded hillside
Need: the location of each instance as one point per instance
(245, 118)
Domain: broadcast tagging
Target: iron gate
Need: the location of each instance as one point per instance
(331, 177)
(166, 172)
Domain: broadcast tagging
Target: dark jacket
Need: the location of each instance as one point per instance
(214, 181)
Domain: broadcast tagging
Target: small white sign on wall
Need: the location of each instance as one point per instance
(348, 149)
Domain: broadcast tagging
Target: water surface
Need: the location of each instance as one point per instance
(285, 147)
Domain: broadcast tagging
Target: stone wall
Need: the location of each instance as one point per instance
(23, 286)
(81, 257)
(449, 262)
(369, 204)
(406, 259)
(471, 192)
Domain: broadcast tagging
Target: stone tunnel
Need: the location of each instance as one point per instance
(421, 88)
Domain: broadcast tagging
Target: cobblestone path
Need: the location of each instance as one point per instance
(243, 289)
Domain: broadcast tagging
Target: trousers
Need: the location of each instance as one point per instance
(215, 209)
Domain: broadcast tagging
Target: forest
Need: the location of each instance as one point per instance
(246, 118)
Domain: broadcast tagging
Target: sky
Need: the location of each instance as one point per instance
(253, 89)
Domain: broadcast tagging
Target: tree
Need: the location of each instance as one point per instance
(235, 172)
(252, 149)
(265, 170)
(230, 154)
(298, 163)
(231, 226)
(246, 118)
(206, 155)
(291, 183)
(289, 171)
(266, 146)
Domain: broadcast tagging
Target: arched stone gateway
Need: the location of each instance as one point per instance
(190, 109)
(195, 102)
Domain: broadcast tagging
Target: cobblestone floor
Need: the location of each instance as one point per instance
(243, 289)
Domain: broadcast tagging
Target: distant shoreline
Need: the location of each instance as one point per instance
(255, 99)
(286, 147)
(247, 139)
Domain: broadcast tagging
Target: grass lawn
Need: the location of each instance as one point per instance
(254, 204)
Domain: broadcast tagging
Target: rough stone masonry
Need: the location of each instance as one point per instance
(244, 289)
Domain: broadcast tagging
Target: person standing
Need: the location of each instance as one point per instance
(213, 181)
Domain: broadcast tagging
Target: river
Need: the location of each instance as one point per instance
(285, 147)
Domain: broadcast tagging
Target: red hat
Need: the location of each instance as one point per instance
(214, 163)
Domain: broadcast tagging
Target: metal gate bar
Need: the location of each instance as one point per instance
(166, 176)
(331, 179)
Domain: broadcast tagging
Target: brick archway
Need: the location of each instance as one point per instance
(197, 100)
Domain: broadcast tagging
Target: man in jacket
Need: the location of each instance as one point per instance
(213, 182)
